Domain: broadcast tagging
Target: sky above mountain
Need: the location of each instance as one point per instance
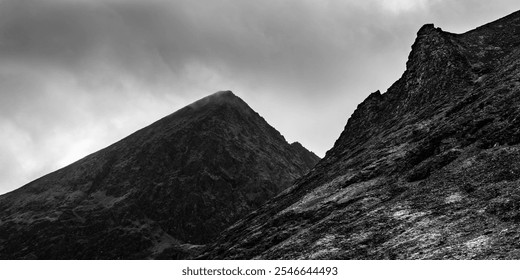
(78, 75)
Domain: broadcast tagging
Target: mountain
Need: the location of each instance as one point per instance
(428, 170)
(170, 186)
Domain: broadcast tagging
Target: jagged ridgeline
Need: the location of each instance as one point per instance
(428, 170)
(161, 191)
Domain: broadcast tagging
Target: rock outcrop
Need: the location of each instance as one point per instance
(428, 170)
(160, 192)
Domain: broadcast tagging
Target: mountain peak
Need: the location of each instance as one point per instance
(427, 170)
(429, 27)
(172, 184)
(219, 98)
(224, 94)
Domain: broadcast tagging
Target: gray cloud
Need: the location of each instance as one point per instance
(78, 75)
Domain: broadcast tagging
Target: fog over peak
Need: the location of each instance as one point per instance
(76, 76)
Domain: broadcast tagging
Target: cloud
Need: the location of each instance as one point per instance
(399, 6)
(76, 76)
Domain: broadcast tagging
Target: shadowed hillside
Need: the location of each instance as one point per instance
(175, 183)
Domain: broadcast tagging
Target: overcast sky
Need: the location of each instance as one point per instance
(76, 76)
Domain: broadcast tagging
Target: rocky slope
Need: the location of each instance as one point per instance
(175, 183)
(428, 170)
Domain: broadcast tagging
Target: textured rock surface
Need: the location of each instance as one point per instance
(428, 170)
(175, 183)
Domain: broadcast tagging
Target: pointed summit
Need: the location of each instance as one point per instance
(219, 97)
(224, 94)
(211, 103)
(164, 190)
(427, 170)
(425, 29)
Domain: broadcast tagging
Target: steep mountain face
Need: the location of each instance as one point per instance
(427, 170)
(177, 182)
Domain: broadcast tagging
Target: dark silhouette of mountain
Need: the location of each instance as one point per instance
(428, 170)
(173, 184)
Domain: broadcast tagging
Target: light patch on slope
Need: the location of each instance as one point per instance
(468, 163)
(106, 201)
(324, 247)
(477, 244)
(162, 242)
(419, 235)
(404, 212)
(453, 198)
(333, 191)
